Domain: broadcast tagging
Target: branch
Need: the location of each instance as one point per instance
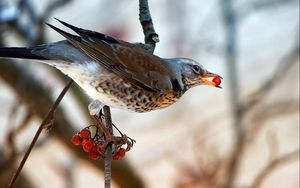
(272, 166)
(230, 24)
(108, 150)
(47, 120)
(282, 69)
(285, 65)
(33, 29)
(151, 37)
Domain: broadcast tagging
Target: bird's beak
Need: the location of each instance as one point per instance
(208, 77)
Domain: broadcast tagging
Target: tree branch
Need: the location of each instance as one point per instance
(285, 64)
(48, 119)
(229, 16)
(272, 166)
(151, 37)
(108, 151)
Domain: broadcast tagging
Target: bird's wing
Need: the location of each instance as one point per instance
(126, 60)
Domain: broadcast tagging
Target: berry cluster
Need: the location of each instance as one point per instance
(94, 145)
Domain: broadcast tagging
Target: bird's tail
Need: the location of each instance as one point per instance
(19, 52)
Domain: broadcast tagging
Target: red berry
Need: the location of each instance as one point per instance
(94, 154)
(87, 145)
(76, 140)
(85, 133)
(122, 152)
(217, 80)
(116, 157)
(99, 148)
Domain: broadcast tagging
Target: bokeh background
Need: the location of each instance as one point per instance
(244, 135)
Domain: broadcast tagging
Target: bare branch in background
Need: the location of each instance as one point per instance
(33, 30)
(282, 69)
(230, 24)
(279, 107)
(271, 167)
(45, 124)
(239, 109)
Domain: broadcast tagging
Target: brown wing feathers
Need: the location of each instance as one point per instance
(120, 57)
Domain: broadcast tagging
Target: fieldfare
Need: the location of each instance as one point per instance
(117, 73)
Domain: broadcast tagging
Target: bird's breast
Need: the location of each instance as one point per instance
(116, 92)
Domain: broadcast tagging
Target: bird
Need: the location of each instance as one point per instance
(117, 73)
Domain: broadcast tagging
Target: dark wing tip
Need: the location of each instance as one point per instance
(76, 29)
(63, 33)
(89, 33)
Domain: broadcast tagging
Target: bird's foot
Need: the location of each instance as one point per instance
(108, 136)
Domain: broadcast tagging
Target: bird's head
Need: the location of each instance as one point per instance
(193, 74)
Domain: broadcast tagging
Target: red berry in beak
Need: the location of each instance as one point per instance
(217, 80)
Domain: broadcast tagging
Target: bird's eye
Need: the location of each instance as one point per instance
(196, 68)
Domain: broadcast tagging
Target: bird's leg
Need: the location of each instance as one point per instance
(95, 111)
(108, 136)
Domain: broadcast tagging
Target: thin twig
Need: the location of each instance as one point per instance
(45, 122)
(272, 166)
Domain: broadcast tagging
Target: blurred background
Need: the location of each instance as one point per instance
(244, 135)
